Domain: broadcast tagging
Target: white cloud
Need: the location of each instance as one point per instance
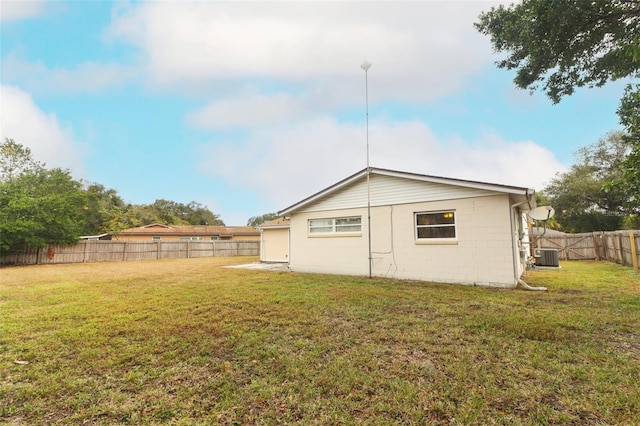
(88, 76)
(288, 163)
(285, 162)
(23, 121)
(249, 110)
(17, 10)
(419, 50)
(488, 158)
(277, 70)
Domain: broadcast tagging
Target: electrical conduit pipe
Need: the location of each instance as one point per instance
(516, 261)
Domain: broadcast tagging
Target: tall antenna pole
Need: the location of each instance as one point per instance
(365, 66)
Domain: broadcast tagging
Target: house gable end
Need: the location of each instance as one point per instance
(389, 190)
(154, 226)
(394, 187)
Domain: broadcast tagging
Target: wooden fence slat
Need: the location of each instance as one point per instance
(110, 251)
(617, 246)
(634, 250)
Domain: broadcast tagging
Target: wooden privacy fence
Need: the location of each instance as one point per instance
(616, 246)
(111, 251)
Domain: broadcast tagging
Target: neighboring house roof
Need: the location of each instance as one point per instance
(105, 236)
(280, 222)
(521, 193)
(191, 230)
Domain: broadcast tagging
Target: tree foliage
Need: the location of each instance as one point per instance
(629, 113)
(171, 213)
(558, 45)
(15, 159)
(39, 206)
(582, 198)
(105, 212)
(258, 220)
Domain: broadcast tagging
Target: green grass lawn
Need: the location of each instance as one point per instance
(188, 342)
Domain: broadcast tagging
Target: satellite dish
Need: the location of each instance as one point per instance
(542, 213)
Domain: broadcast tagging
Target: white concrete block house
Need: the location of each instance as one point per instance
(422, 228)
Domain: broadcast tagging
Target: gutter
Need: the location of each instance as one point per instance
(514, 242)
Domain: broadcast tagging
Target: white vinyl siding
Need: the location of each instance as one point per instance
(386, 190)
(338, 225)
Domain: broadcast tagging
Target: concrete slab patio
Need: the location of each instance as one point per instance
(275, 266)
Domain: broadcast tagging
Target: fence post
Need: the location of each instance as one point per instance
(596, 247)
(634, 253)
(621, 251)
(158, 249)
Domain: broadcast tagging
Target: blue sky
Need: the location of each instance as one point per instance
(248, 107)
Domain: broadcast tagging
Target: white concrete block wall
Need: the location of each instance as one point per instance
(482, 254)
(328, 254)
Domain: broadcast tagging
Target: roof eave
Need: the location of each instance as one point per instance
(287, 226)
(518, 190)
(329, 190)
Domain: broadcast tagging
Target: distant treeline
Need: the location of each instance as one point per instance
(41, 206)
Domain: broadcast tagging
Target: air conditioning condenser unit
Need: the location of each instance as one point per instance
(547, 257)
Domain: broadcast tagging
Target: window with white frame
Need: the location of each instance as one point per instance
(440, 225)
(337, 225)
(214, 238)
(156, 238)
(190, 239)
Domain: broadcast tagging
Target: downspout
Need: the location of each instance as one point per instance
(289, 244)
(514, 242)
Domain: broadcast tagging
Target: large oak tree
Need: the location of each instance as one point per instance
(556, 46)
